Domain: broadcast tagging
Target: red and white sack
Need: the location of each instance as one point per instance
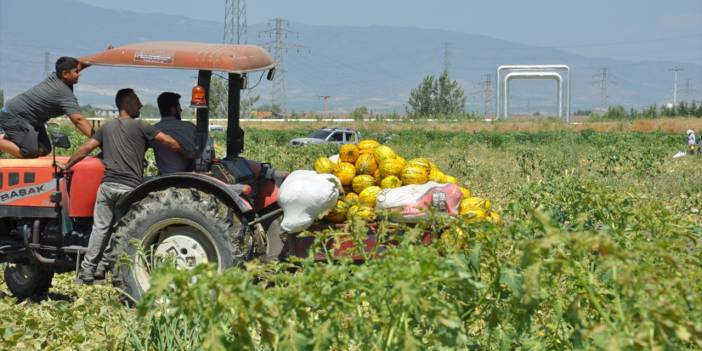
(412, 203)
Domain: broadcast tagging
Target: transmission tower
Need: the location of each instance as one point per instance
(675, 71)
(47, 64)
(447, 56)
(603, 88)
(324, 103)
(486, 91)
(278, 32)
(235, 28)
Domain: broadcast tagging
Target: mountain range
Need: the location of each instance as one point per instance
(374, 66)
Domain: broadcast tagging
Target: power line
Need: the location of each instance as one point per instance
(235, 27)
(675, 71)
(278, 31)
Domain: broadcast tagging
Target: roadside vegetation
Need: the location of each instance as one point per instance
(601, 248)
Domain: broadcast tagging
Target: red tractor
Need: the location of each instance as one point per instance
(225, 212)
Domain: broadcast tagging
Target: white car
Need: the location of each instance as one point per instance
(329, 136)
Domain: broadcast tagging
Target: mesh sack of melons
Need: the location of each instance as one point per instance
(338, 213)
(365, 164)
(391, 166)
(369, 195)
(324, 165)
(361, 182)
(365, 213)
(390, 182)
(383, 152)
(348, 153)
(414, 174)
(367, 146)
(345, 173)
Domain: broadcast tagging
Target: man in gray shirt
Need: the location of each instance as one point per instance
(167, 160)
(22, 131)
(124, 141)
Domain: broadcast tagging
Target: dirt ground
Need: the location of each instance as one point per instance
(671, 125)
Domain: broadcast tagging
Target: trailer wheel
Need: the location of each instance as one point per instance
(187, 226)
(27, 281)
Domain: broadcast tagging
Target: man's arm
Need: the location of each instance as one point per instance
(81, 123)
(170, 143)
(80, 154)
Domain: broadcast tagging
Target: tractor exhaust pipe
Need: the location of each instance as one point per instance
(44, 261)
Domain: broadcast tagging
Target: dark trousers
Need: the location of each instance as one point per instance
(32, 141)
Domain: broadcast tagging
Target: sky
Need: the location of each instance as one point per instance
(638, 30)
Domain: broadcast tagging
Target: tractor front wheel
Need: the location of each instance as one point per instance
(27, 281)
(186, 226)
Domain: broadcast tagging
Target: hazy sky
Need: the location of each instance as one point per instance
(624, 29)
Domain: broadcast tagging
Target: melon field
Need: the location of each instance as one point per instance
(600, 247)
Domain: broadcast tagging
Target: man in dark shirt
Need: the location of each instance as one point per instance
(124, 141)
(22, 131)
(168, 161)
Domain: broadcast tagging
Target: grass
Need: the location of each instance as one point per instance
(600, 250)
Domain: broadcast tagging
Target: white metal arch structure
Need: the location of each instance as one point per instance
(560, 73)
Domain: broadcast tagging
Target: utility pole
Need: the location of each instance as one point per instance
(687, 91)
(47, 64)
(235, 27)
(675, 71)
(278, 31)
(324, 103)
(447, 56)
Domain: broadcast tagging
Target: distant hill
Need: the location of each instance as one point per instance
(374, 66)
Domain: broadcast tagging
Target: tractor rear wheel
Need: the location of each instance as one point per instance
(187, 226)
(27, 281)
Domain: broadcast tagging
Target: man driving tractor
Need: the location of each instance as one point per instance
(22, 121)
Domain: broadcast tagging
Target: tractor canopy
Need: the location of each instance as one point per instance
(237, 59)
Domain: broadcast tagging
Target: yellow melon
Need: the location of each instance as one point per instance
(362, 212)
(420, 162)
(392, 166)
(436, 175)
(390, 182)
(351, 197)
(324, 165)
(474, 203)
(367, 146)
(414, 174)
(361, 182)
(338, 213)
(365, 164)
(369, 195)
(465, 192)
(345, 173)
(383, 153)
(450, 179)
(348, 153)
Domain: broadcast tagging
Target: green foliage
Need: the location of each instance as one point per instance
(437, 97)
(359, 113)
(619, 113)
(601, 249)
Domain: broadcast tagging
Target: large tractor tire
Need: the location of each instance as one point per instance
(27, 281)
(187, 225)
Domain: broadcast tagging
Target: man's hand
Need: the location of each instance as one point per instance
(61, 165)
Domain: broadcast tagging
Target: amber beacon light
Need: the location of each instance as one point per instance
(199, 97)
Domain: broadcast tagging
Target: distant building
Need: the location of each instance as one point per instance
(105, 111)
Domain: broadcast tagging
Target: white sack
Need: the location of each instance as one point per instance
(303, 196)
